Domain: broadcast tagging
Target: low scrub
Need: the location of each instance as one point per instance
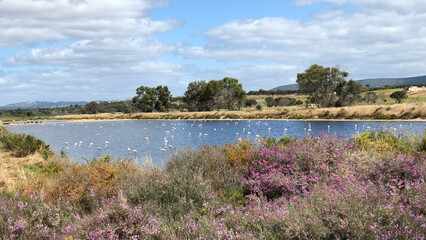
(386, 142)
(322, 187)
(23, 145)
(77, 183)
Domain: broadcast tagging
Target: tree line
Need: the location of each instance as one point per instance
(326, 87)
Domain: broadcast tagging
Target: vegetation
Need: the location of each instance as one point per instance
(403, 86)
(23, 145)
(325, 85)
(150, 99)
(398, 96)
(282, 102)
(273, 92)
(215, 94)
(91, 108)
(370, 97)
(322, 187)
(250, 103)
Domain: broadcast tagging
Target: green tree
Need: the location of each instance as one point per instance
(92, 107)
(144, 99)
(320, 83)
(163, 99)
(398, 96)
(270, 102)
(149, 99)
(370, 97)
(285, 101)
(215, 94)
(238, 95)
(194, 95)
(250, 102)
(348, 92)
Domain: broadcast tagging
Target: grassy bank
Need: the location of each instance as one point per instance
(368, 187)
(404, 111)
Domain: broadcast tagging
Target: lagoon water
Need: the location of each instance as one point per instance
(158, 139)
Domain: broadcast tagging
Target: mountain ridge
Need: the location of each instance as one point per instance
(40, 104)
(372, 82)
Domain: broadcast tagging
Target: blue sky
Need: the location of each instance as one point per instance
(87, 50)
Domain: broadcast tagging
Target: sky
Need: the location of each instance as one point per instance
(84, 50)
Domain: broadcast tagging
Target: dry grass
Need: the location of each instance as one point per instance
(367, 111)
(12, 173)
(294, 95)
(362, 111)
(94, 117)
(414, 105)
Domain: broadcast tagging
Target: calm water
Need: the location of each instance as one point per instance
(158, 139)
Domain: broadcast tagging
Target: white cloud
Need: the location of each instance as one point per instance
(29, 21)
(395, 5)
(107, 69)
(370, 42)
(86, 84)
(113, 50)
(23, 86)
(108, 52)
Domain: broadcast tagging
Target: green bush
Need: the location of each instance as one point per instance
(422, 145)
(23, 145)
(386, 142)
(283, 141)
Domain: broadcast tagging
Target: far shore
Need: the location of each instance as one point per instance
(384, 112)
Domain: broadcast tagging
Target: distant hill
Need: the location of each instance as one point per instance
(39, 104)
(381, 82)
(292, 87)
(373, 82)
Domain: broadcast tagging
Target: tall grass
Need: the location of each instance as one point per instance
(312, 188)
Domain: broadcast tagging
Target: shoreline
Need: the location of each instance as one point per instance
(258, 119)
(415, 112)
(88, 120)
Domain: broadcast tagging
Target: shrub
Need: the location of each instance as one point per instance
(239, 154)
(398, 171)
(282, 142)
(398, 96)
(297, 116)
(385, 142)
(30, 218)
(341, 113)
(422, 145)
(250, 102)
(325, 115)
(270, 102)
(352, 116)
(293, 170)
(77, 183)
(23, 145)
(314, 188)
(298, 102)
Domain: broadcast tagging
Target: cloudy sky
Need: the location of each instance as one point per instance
(72, 50)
